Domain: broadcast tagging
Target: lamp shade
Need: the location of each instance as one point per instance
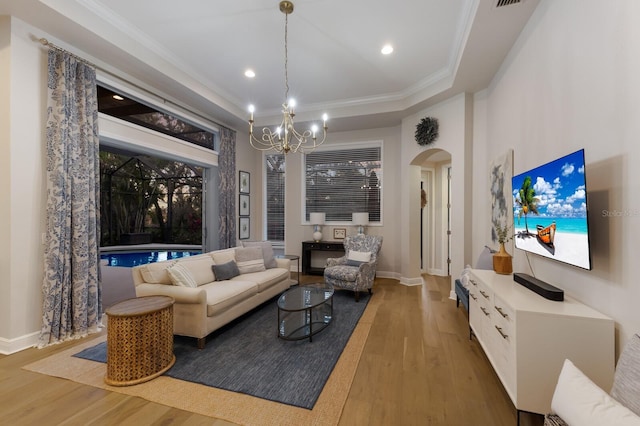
(316, 218)
(360, 218)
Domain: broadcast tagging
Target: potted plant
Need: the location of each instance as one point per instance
(502, 261)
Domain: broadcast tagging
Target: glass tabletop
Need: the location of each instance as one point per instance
(305, 296)
(287, 256)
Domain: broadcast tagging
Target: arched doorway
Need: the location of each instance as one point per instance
(435, 211)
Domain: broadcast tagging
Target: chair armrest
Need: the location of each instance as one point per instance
(334, 261)
(368, 268)
(180, 294)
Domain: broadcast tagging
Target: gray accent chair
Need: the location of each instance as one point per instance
(626, 382)
(345, 273)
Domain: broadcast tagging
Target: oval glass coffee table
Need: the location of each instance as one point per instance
(304, 311)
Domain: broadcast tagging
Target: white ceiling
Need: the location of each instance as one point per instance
(195, 51)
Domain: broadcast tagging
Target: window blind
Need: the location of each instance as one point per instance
(341, 182)
(275, 166)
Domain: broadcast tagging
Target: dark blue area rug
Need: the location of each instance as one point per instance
(246, 355)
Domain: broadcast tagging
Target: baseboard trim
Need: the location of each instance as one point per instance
(388, 274)
(11, 346)
(411, 282)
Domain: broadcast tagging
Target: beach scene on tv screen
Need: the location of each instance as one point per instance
(550, 211)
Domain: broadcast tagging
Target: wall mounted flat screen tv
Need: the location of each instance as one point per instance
(550, 211)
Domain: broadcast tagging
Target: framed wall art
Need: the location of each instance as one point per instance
(245, 182)
(501, 172)
(339, 233)
(244, 228)
(244, 205)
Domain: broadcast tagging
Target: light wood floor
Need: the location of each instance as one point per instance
(418, 368)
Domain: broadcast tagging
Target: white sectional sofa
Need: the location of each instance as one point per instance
(212, 289)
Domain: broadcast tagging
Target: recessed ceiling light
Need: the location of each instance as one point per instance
(387, 49)
(249, 73)
(118, 98)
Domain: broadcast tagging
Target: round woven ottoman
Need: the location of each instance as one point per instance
(139, 340)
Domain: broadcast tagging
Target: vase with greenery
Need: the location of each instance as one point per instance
(502, 260)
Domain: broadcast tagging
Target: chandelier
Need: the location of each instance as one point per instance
(286, 138)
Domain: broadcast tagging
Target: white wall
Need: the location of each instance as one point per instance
(22, 198)
(250, 160)
(5, 171)
(454, 127)
(571, 82)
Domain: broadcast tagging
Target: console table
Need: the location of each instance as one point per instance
(308, 247)
(527, 338)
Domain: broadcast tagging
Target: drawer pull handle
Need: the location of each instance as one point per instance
(504, 336)
(473, 296)
(500, 311)
(484, 311)
(473, 282)
(486, 296)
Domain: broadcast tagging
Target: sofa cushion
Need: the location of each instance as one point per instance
(225, 271)
(579, 401)
(249, 259)
(222, 295)
(181, 276)
(626, 382)
(223, 256)
(200, 268)
(264, 279)
(267, 252)
(156, 273)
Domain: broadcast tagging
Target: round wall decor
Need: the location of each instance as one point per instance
(427, 131)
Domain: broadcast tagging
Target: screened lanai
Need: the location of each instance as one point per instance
(149, 200)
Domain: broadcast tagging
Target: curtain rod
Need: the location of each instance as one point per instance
(47, 43)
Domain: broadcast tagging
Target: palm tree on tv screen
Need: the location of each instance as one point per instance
(527, 201)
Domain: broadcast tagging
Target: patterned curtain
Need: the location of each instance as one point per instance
(72, 305)
(227, 189)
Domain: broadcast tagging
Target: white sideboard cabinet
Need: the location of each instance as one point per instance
(527, 338)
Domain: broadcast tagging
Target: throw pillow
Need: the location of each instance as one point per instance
(199, 267)
(181, 276)
(626, 381)
(225, 271)
(223, 256)
(267, 252)
(249, 259)
(359, 256)
(579, 401)
(156, 273)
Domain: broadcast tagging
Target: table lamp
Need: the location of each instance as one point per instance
(361, 220)
(316, 219)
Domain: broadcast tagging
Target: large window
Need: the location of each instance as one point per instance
(275, 166)
(345, 180)
(146, 199)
